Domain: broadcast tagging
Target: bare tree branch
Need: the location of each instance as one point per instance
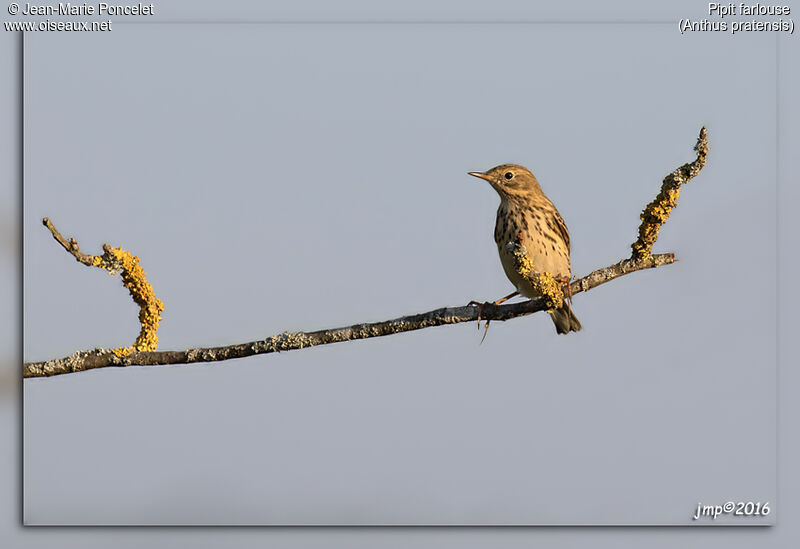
(652, 218)
(69, 244)
(288, 341)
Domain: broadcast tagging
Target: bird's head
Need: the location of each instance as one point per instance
(510, 180)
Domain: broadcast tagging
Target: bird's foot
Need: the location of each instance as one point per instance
(480, 307)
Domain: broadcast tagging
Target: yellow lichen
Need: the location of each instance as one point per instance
(134, 279)
(655, 215)
(657, 212)
(117, 260)
(122, 351)
(544, 283)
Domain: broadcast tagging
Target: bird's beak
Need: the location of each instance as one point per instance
(479, 174)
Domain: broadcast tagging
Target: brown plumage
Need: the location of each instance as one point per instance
(525, 211)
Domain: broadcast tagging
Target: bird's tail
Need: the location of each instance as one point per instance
(565, 320)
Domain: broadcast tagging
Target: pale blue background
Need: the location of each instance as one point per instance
(653, 283)
(287, 176)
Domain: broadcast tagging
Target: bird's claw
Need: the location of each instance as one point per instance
(480, 307)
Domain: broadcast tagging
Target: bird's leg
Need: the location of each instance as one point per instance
(484, 304)
(480, 307)
(506, 298)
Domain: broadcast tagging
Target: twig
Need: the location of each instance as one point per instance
(657, 212)
(117, 260)
(287, 341)
(70, 245)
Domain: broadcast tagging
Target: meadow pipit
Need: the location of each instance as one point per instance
(527, 216)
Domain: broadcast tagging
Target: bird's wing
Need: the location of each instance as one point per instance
(561, 227)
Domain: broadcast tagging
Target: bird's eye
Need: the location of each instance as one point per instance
(509, 175)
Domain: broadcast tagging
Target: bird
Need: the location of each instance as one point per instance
(527, 216)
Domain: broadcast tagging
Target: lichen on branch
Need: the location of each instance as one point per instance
(135, 280)
(543, 282)
(657, 212)
(288, 341)
(122, 262)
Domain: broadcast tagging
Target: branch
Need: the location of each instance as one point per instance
(653, 217)
(70, 245)
(657, 212)
(119, 261)
(288, 341)
(550, 288)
